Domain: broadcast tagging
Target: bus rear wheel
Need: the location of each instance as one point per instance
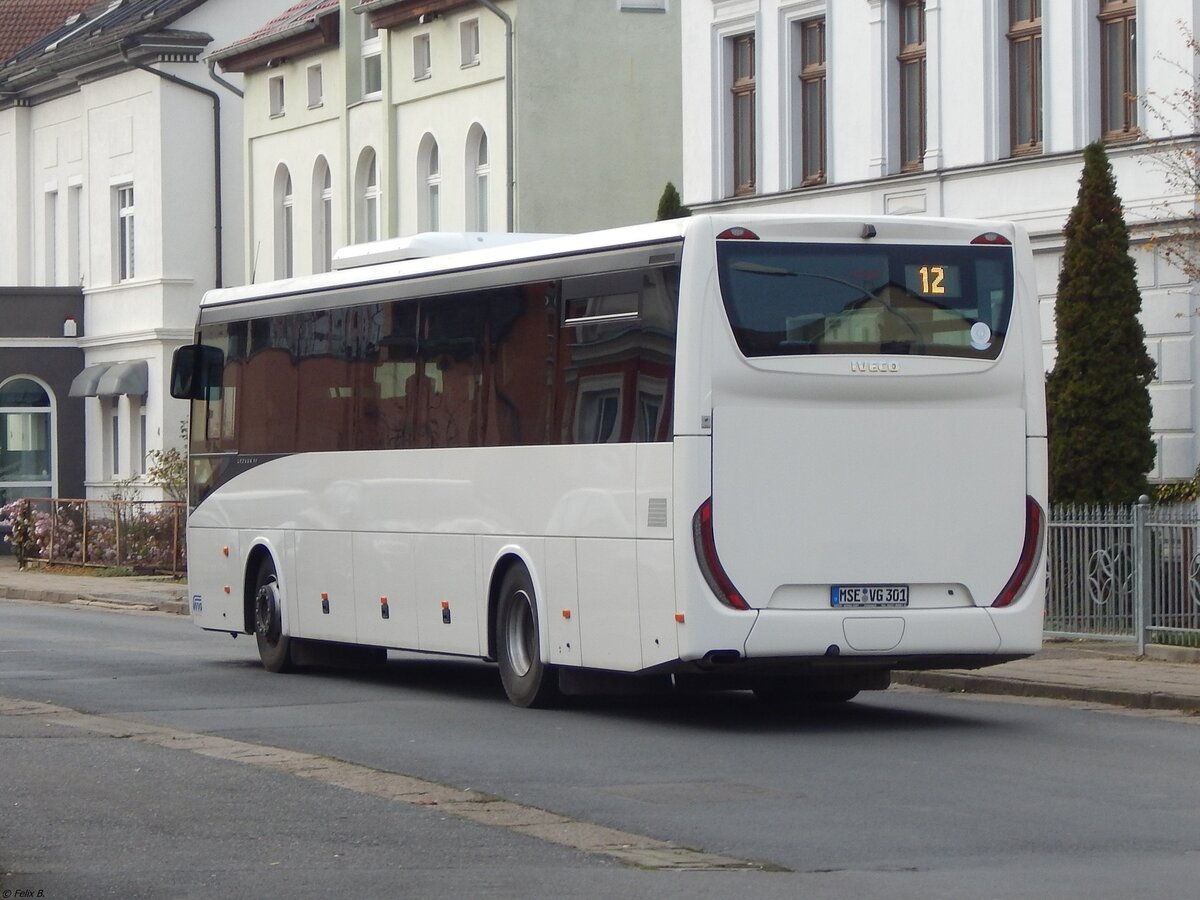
(527, 680)
(274, 645)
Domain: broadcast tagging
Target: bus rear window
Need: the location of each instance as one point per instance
(787, 299)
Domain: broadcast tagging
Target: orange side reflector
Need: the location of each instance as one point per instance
(445, 604)
(383, 601)
(227, 589)
(225, 550)
(679, 618)
(566, 614)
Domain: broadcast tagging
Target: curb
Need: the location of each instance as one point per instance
(1166, 653)
(984, 684)
(175, 606)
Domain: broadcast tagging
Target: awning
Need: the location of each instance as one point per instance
(84, 384)
(112, 379)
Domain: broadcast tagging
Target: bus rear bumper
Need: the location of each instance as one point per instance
(937, 633)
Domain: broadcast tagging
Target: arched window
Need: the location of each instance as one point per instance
(366, 180)
(478, 168)
(26, 440)
(429, 185)
(284, 224)
(322, 217)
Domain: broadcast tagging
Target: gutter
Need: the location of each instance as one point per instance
(510, 109)
(212, 73)
(216, 102)
(266, 40)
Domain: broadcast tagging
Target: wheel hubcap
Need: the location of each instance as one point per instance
(519, 634)
(268, 622)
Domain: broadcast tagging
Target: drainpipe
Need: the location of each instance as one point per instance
(510, 106)
(212, 73)
(240, 94)
(216, 102)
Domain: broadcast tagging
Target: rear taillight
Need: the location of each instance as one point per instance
(737, 233)
(710, 565)
(991, 237)
(1031, 555)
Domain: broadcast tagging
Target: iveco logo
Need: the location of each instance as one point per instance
(874, 368)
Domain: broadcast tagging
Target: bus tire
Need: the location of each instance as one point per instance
(527, 680)
(274, 645)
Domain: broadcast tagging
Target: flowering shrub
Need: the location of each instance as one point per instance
(147, 536)
(19, 515)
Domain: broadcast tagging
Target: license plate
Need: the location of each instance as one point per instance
(878, 596)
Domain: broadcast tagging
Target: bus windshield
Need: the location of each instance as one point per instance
(786, 299)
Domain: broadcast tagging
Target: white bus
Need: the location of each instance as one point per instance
(780, 453)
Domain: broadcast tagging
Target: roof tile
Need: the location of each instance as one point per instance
(305, 11)
(104, 23)
(24, 21)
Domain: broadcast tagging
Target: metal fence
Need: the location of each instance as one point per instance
(1125, 573)
(144, 535)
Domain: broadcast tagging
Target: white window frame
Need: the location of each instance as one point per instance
(50, 483)
(74, 232)
(430, 186)
(50, 236)
(368, 197)
(479, 170)
(729, 123)
(124, 233)
(422, 57)
(143, 449)
(1130, 124)
(113, 417)
(285, 223)
(316, 86)
(468, 42)
(275, 96)
(372, 59)
(792, 24)
(721, 74)
(322, 216)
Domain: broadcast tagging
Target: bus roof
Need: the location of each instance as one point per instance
(520, 248)
(438, 253)
(426, 244)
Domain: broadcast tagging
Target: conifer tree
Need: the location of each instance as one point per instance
(1098, 402)
(670, 206)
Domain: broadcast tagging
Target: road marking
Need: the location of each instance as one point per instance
(636, 850)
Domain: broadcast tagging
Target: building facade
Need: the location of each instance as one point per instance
(973, 110)
(41, 426)
(120, 170)
(404, 116)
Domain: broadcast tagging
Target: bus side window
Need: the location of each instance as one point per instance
(518, 346)
(617, 356)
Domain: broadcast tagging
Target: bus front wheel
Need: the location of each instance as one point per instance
(527, 680)
(274, 646)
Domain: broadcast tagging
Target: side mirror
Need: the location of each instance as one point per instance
(196, 371)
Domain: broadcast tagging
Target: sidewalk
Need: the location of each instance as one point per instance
(1103, 672)
(1088, 671)
(110, 592)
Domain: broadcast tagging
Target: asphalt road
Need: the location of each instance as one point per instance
(144, 758)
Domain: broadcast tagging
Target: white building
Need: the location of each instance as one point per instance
(968, 109)
(120, 170)
(401, 116)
